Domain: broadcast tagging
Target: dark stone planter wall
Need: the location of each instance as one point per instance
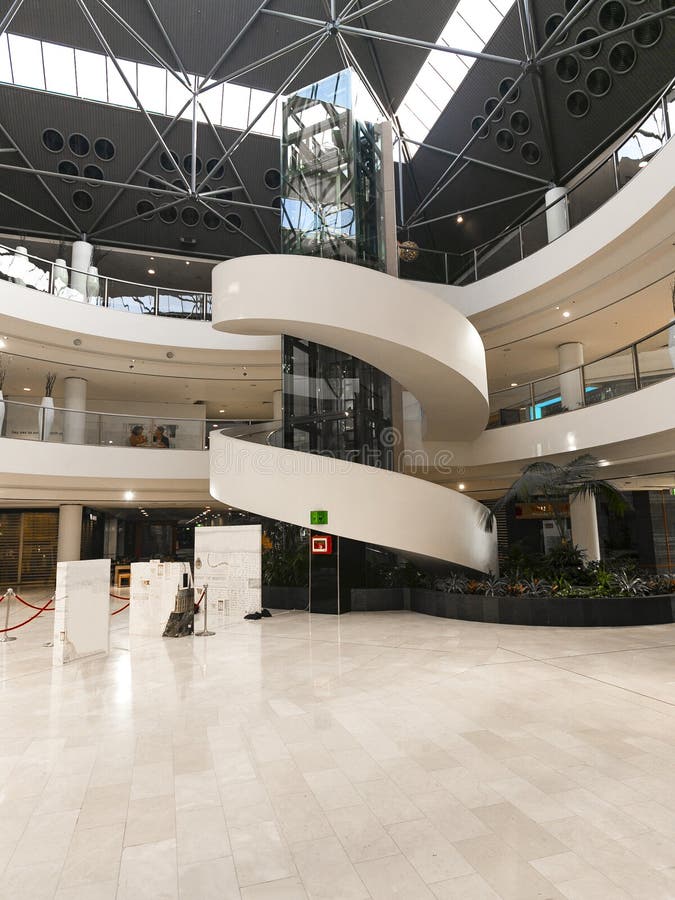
(285, 597)
(574, 612)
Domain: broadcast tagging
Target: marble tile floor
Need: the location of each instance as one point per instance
(381, 755)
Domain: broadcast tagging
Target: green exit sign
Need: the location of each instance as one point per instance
(672, 492)
(318, 517)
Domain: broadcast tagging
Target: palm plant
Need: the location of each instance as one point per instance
(555, 485)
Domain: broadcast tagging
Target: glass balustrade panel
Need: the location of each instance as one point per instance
(656, 357)
(610, 377)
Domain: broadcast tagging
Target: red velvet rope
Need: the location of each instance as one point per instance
(121, 609)
(30, 605)
(21, 624)
(201, 597)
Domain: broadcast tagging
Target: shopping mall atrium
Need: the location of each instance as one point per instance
(337, 449)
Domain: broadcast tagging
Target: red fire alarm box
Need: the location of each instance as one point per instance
(322, 544)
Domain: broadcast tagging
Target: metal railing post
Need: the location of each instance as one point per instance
(520, 235)
(205, 631)
(582, 376)
(616, 173)
(475, 265)
(6, 638)
(156, 301)
(532, 402)
(106, 292)
(445, 259)
(636, 367)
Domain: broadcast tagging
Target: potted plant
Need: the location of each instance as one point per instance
(46, 411)
(3, 375)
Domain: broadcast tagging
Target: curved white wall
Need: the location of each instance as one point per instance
(363, 503)
(426, 345)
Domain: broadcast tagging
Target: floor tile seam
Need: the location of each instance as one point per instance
(605, 652)
(617, 687)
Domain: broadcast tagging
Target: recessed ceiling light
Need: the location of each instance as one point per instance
(129, 495)
(27, 389)
(152, 259)
(187, 262)
(514, 384)
(566, 314)
(221, 410)
(461, 486)
(460, 219)
(151, 271)
(604, 462)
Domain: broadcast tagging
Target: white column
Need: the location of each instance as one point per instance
(570, 360)
(584, 519)
(277, 405)
(74, 400)
(557, 219)
(70, 533)
(82, 256)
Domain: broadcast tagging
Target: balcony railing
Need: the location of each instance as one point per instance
(604, 181)
(624, 371)
(58, 425)
(21, 267)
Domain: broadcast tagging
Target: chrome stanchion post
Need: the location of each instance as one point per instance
(6, 638)
(205, 632)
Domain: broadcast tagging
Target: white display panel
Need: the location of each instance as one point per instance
(228, 559)
(153, 595)
(82, 610)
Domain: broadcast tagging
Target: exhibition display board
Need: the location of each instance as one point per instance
(153, 595)
(228, 560)
(82, 610)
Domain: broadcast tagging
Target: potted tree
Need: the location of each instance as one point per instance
(46, 411)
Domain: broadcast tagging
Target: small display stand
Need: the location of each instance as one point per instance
(82, 610)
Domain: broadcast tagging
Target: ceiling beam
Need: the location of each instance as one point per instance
(42, 215)
(469, 209)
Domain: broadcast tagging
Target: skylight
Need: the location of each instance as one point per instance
(58, 69)
(470, 27)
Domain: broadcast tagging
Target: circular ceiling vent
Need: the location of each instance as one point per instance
(168, 215)
(79, 144)
(211, 220)
(490, 104)
(156, 185)
(530, 153)
(273, 179)
(477, 124)
(187, 164)
(622, 57)
(612, 15)
(189, 216)
(648, 33)
(276, 203)
(598, 82)
(104, 149)
(233, 222)
(505, 140)
(53, 140)
(505, 85)
(169, 163)
(145, 209)
(567, 68)
(578, 104)
(66, 167)
(520, 122)
(83, 200)
(93, 172)
(214, 170)
(587, 34)
(550, 26)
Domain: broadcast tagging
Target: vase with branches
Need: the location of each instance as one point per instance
(556, 485)
(46, 411)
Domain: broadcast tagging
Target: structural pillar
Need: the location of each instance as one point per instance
(389, 199)
(570, 362)
(82, 255)
(70, 533)
(584, 520)
(557, 217)
(75, 405)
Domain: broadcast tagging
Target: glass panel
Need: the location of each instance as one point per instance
(592, 193)
(670, 106)
(59, 69)
(610, 377)
(499, 254)
(535, 233)
(656, 357)
(152, 88)
(26, 55)
(547, 399)
(118, 92)
(639, 149)
(180, 305)
(130, 297)
(427, 265)
(91, 75)
(510, 407)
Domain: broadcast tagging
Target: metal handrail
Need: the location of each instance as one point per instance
(505, 235)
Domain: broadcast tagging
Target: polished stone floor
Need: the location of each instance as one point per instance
(386, 755)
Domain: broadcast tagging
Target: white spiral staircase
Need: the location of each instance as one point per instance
(420, 341)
